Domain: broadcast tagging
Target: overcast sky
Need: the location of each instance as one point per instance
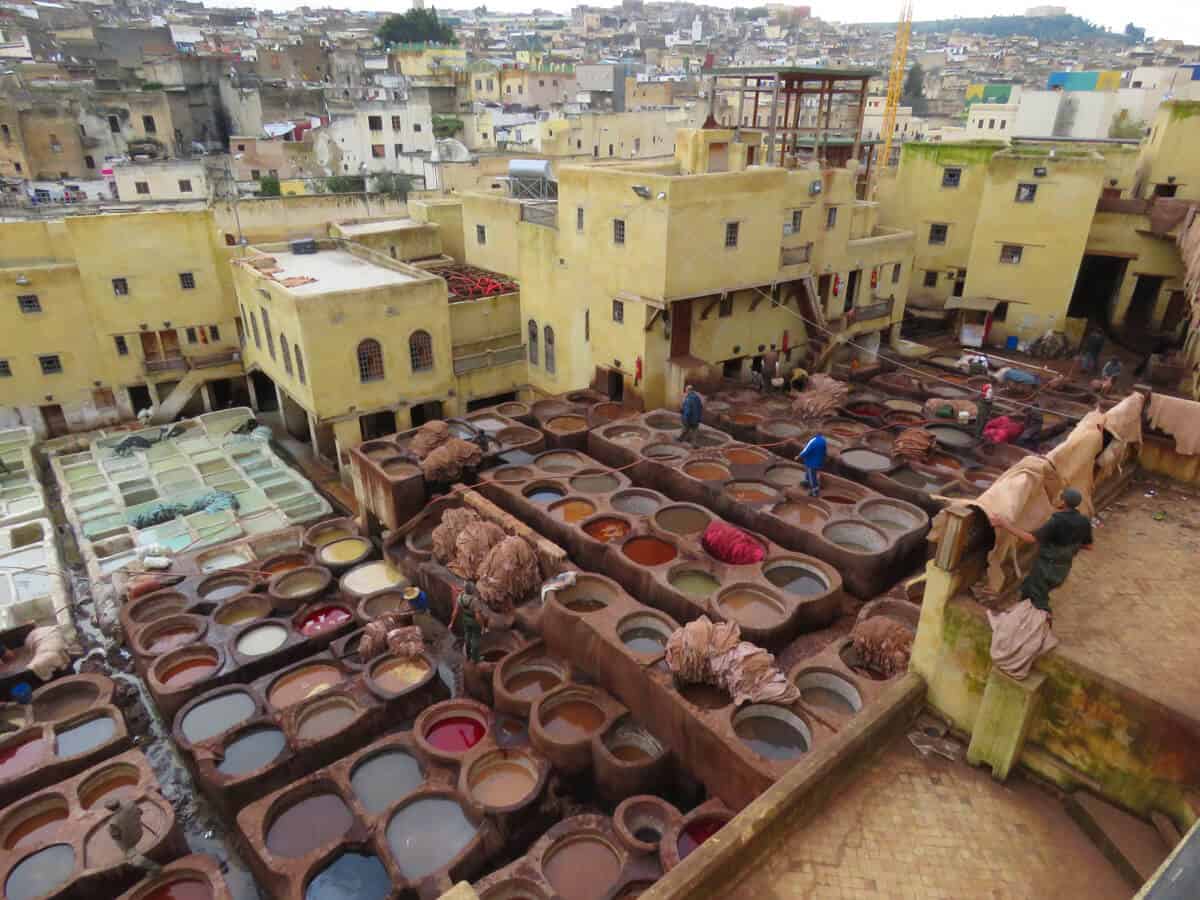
(1179, 19)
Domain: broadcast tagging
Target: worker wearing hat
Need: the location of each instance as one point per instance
(1058, 541)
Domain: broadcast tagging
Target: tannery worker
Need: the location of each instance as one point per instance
(1058, 541)
(690, 411)
(1110, 373)
(813, 457)
(983, 409)
(1093, 344)
(471, 626)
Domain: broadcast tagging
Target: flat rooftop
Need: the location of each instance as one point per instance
(383, 227)
(333, 270)
(814, 72)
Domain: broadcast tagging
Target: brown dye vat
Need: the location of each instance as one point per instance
(156, 606)
(559, 461)
(171, 638)
(751, 608)
(572, 510)
(567, 423)
(284, 562)
(399, 468)
(398, 675)
(64, 700)
(181, 889)
(744, 456)
(300, 684)
(189, 670)
(529, 684)
(325, 717)
(751, 492)
(626, 434)
(595, 483)
(866, 460)
(40, 826)
(582, 868)
(220, 588)
(243, 609)
(784, 476)
(649, 551)
(502, 778)
(512, 474)
(308, 824)
(607, 529)
(630, 753)
(682, 519)
(572, 721)
(943, 460)
(798, 512)
(378, 449)
(664, 451)
(707, 471)
(382, 603)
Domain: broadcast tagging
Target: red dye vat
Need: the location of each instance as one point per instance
(649, 551)
(323, 619)
(20, 758)
(183, 889)
(607, 530)
(696, 833)
(455, 734)
(866, 409)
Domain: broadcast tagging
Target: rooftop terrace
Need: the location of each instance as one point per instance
(333, 270)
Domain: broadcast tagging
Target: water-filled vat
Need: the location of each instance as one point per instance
(784, 475)
(219, 588)
(63, 699)
(544, 493)
(745, 456)
(558, 461)
(752, 492)
(751, 607)
(283, 562)
(38, 823)
(582, 867)
(455, 733)
(396, 675)
(858, 537)
(302, 683)
(694, 582)
(345, 552)
(323, 718)
(704, 696)
(81, 737)
(626, 434)
(949, 436)
(649, 551)
(328, 532)
(184, 888)
(308, 823)
(889, 515)
(629, 742)
(186, 667)
(242, 608)
(664, 452)
(512, 474)
(323, 618)
(706, 470)
(250, 750)
(215, 715)
(169, 633)
(529, 678)
(572, 509)
(351, 876)
(158, 605)
(828, 692)
(803, 513)
(301, 585)
(797, 578)
(607, 529)
(259, 640)
(636, 502)
(372, 577)
(663, 421)
(566, 423)
(502, 778)
(865, 460)
(40, 872)
(570, 718)
(681, 519)
(385, 777)
(383, 603)
(119, 781)
(772, 732)
(427, 834)
(644, 634)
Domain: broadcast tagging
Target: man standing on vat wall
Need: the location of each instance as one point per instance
(691, 411)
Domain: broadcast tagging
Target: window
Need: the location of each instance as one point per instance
(120, 287)
(89, 162)
(1026, 193)
(187, 281)
(618, 231)
(398, 149)
(579, 218)
(300, 365)
(491, 84)
(142, 187)
(395, 123)
(375, 123)
(286, 352)
(549, 349)
(618, 311)
(148, 125)
(241, 147)
(1165, 190)
(266, 317)
(122, 345)
(896, 273)
(17, 166)
(797, 217)
(417, 127)
(185, 185)
(481, 234)
(587, 325)
(6, 133)
(370, 360)
(29, 303)
(930, 278)
(55, 146)
(951, 176)
(731, 234)
(610, 149)
(533, 342)
(1003, 122)
(51, 364)
(1011, 253)
(541, 82)
(479, 84)
(725, 307)
(991, 123)
(191, 335)
(420, 351)
(378, 151)
(937, 233)
(5, 369)
(255, 174)
(831, 218)
(254, 331)
(1000, 313)
(214, 332)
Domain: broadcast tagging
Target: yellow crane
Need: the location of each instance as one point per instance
(895, 84)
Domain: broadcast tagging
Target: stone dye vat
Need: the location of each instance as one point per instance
(241, 741)
(56, 842)
(70, 724)
(652, 547)
(194, 877)
(564, 721)
(565, 419)
(523, 677)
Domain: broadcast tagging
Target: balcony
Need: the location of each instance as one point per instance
(219, 358)
(170, 364)
(881, 309)
(545, 214)
(487, 359)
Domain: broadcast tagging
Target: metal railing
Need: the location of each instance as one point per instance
(219, 358)
(486, 359)
(879, 310)
(794, 256)
(172, 364)
(540, 214)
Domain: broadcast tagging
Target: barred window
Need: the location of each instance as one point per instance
(533, 342)
(300, 366)
(266, 317)
(254, 330)
(420, 351)
(370, 360)
(549, 349)
(285, 352)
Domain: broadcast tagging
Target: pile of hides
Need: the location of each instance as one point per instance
(1179, 418)
(703, 653)
(1019, 637)
(1051, 345)
(914, 444)
(213, 501)
(428, 438)
(463, 540)
(390, 633)
(447, 462)
(48, 651)
(936, 408)
(1002, 430)
(508, 574)
(883, 644)
(445, 535)
(731, 545)
(820, 399)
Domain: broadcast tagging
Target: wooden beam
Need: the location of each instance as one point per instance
(710, 307)
(653, 318)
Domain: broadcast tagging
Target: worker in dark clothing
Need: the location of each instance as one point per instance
(1031, 434)
(1093, 345)
(1058, 541)
(983, 409)
(691, 412)
(1110, 373)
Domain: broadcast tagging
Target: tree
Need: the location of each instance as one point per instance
(446, 126)
(344, 184)
(914, 86)
(1122, 126)
(393, 184)
(268, 186)
(416, 26)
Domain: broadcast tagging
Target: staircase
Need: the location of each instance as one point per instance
(172, 405)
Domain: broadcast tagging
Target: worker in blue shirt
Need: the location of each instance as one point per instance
(813, 457)
(690, 412)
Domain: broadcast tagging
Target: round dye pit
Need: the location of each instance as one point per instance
(629, 742)
(559, 461)
(158, 605)
(644, 634)
(951, 437)
(803, 513)
(502, 778)
(251, 750)
(663, 421)
(345, 552)
(636, 502)
(567, 423)
(383, 603)
(220, 588)
(72, 740)
(571, 720)
(694, 582)
(866, 410)
(186, 667)
(117, 782)
(320, 535)
(783, 429)
(856, 537)
(377, 449)
(261, 639)
(572, 509)
(213, 716)
(751, 608)
(752, 492)
(626, 434)
(866, 460)
(682, 519)
(372, 578)
(516, 888)
(796, 578)
(543, 494)
(695, 833)
(170, 634)
(512, 474)
(324, 718)
(649, 551)
(40, 872)
(594, 483)
(784, 476)
(582, 867)
(300, 585)
(307, 824)
(890, 516)
(744, 456)
(664, 452)
(772, 732)
(384, 778)
(64, 699)
(243, 609)
(38, 823)
(427, 834)
(324, 618)
(745, 419)
(828, 692)
(607, 529)
(181, 889)
(396, 675)
(532, 680)
(351, 876)
(707, 471)
(455, 733)
(302, 683)
(858, 665)
(399, 468)
(284, 562)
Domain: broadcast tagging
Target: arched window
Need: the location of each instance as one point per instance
(300, 366)
(549, 349)
(420, 351)
(254, 328)
(287, 354)
(533, 342)
(370, 360)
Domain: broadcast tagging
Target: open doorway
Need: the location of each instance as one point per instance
(616, 385)
(426, 412)
(1138, 318)
(1096, 287)
(377, 424)
(139, 398)
(264, 391)
(54, 420)
(852, 282)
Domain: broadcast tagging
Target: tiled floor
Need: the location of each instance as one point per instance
(915, 829)
(1129, 608)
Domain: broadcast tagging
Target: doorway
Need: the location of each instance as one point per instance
(139, 398)
(54, 420)
(852, 281)
(616, 385)
(824, 286)
(426, 412)
(1177, 312)
(494, 400)
(264, 391)
(1096, 287)
(1141, 304)
(960, 282)
(377, 424)
(681, 328)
